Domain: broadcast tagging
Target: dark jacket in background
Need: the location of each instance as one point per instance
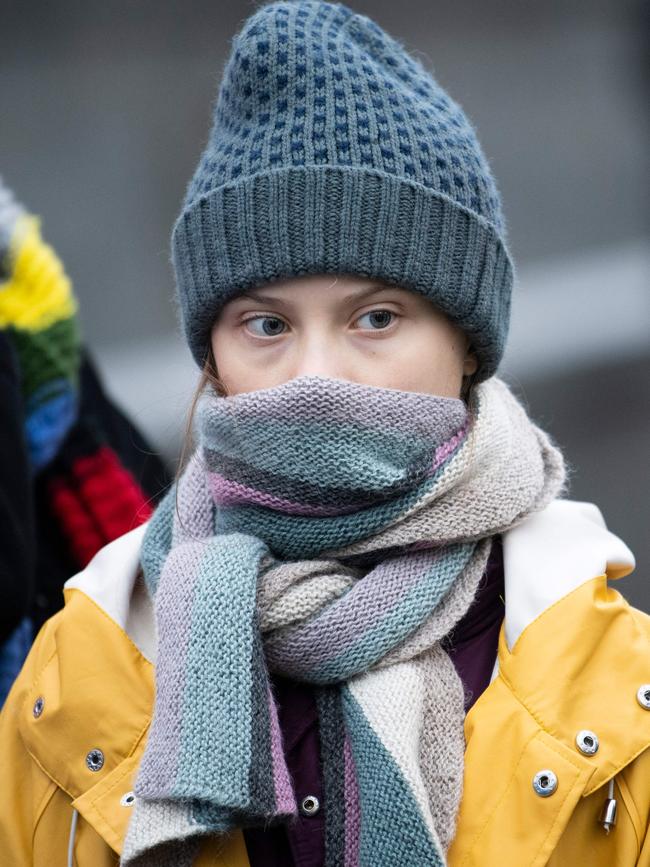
(17, 556)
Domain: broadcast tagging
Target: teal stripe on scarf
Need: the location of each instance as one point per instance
(160, 531)
(393, 830)
(300, 537)
(331, 729)
(363, 449)
(219, 687)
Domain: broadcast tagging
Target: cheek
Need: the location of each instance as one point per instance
(224, 348)
(434, 357)
(224, 335)
(431, 341)
(238, 369)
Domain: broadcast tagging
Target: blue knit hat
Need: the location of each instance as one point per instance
(333, 150)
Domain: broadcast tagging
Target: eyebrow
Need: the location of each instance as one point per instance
(369, 290)
(353, 296)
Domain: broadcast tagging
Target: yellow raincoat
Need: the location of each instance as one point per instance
(573, 658)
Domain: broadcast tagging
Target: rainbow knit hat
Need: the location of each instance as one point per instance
(333, 150)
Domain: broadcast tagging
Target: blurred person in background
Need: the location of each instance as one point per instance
(74, 472)
(365, 626)
(16, 521)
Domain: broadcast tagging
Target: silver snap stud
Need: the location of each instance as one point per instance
(587, 742)
(545, 783)
(95, 760)
(310, 805)
(128, 799)
(39, 704)
(643, 695)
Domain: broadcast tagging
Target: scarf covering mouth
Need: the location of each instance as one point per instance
(334, 533)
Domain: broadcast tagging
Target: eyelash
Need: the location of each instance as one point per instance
(273, 316)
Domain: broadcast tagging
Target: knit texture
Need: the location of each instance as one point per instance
(334, 533)
(82, 492)
(39, 311)
(94, 497)
(334, 150)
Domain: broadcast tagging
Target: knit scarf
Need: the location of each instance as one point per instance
(333, 533)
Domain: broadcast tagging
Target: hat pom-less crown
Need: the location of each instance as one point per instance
(334, 150)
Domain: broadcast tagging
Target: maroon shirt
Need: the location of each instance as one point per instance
(472, 648)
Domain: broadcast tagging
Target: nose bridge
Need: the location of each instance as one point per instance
(317, 352)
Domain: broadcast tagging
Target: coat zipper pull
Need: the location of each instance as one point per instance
(607, 817)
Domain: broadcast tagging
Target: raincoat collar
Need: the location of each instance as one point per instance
(551, 553)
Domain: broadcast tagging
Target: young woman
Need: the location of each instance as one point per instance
(364, 627)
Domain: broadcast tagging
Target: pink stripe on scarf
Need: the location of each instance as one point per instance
(443, 451)
(285, 799)
(228, 493)
(352, 812)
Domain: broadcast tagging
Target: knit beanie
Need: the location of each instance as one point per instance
(334, 150)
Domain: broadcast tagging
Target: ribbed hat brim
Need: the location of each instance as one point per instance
(338, 219)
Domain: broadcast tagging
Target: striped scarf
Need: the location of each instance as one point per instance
(334, 533)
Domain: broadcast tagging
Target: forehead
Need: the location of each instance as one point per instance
(339, 288)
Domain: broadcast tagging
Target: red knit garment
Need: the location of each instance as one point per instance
(97, 500)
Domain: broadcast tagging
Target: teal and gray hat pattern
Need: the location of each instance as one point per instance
(333, 149)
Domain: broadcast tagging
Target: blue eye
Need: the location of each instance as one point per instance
(380, 318)
(268, 332)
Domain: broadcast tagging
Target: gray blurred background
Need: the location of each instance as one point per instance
(106, 108)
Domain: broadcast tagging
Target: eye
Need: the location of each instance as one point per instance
(271, 325)
(380, 319)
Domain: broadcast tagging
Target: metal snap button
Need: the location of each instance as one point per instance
(587, 742)
(39, 704)
(545, 783)
(643, 696)
(310, 805)
(95, 760)
(128, 799)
